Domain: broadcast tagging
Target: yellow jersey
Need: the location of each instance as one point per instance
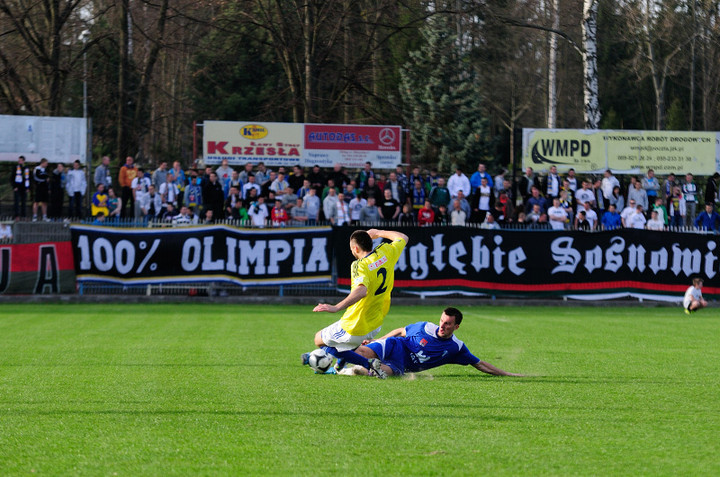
(376, 271)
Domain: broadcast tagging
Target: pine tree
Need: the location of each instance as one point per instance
(441, 101)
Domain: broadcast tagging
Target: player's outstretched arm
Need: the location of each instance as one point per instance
(488, 368)
(353, 297)
(387, 234)
(393, 334)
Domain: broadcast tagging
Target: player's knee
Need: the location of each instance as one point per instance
(366, 352)
(318, 340)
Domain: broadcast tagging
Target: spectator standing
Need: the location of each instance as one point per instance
(76, 188)
(440, 195)
(251, 184)
(232, 199)
(185, 217)
(457, 182)
(708, 219)
(527, 181)
(141, 187)
(599, 196)
(416, 176)
(159, 176)
(340, 179)
(535, 199)
(342, 216)
(326, 190)
(234, 181)
(711, 191)
(581, 221)
(317, 179)
(247, 170)
(677, 208)
(477, 176)
(371, 189)
(311, 203)
(490, 223)
(442, 217)
(262, 174)
(154, 203)
(102, 174)
(651, 185)
(298, 214)
(609, 182)
(41, 181)
(572, 181)
(329, 206)
(407, 217)
(389, 208)
(278, 215)
(418, 195)
(689, 191)
(584, 194)
(499, 183)
(590, 215)
(483, 201)
(224, 174)
(128, 172)
(638, 194)
(426, 215)
(661, 210)
(213, 196)
(553, 184)
(20, 182)
(616, 199)
(193, 192)
(57, 191)
(279, 184)
(169, 191)
(669, 188)
(363, 176)
(396, 188)
(465, 205)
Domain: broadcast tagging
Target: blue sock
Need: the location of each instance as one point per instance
(349, 356)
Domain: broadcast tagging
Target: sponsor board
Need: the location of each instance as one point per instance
(288, 144)
(55, 138)
(621, 151)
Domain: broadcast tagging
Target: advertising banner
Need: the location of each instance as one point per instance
(610, 264)
(202, 254)
(621, 151)
(56, 139)
(37, 268)
(288, 144)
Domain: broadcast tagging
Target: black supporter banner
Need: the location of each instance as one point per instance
(534, 263)
(202, 254)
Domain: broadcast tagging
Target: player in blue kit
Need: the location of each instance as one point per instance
(422, 346)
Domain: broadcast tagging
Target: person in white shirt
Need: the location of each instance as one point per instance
(140, 186)
(75, 187)
(693, 300)
(356, 205)
(458, 181)
(590, 215)
(637, 220)
(342, 216)
(184, 217)
(258, 213)
(250, 184)
(655, 223)
(583, 195)
(169, 190)
(557, 215)
(457, 216)
(626, 213)
(608, 183)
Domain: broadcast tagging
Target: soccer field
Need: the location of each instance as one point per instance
(219, 390)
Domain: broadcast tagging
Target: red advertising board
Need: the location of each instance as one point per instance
(352, 138)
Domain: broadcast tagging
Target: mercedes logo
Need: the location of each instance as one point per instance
(387, 136)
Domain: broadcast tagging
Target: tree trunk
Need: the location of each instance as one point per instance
(589, 32)
(552, 67)
(123, 64)
(308, 62)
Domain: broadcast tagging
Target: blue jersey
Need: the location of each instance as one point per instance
(421, 349)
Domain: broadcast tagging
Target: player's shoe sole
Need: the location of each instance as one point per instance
(305, 358)
(375, 366)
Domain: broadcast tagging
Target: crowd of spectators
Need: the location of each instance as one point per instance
(261, 197)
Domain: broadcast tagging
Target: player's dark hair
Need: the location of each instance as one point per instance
(455, 313)
(363, 240)
(697, 281)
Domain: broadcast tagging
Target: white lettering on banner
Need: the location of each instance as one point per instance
(318, 258)
(418, 262)
(190, 255)
(250, 255)
(516, 257)
(231, 243)
(279, 251)
(480, 254)
(457, 250)
(298, 246)
(210, 265)
(685, 261)
(437, 252)
(498, 255)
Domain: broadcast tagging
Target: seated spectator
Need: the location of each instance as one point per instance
(442, 217)
(99, 202)
(298, 214)
(426, 215)
(535, 199)
(258, 213)
(288, 198)
(655, 223)
(389, 208)
(114, 205)
(169, 213)
(232, 181)
(499, 212)
(303, 191)
(611, 220)
(638, 194)
(536, 218)
(708, 219)
(627, 212)
(617, 199)
(6, 232)
(250, 185)
(557, 215)
(356, 205)
(490, 223)
(208, 217)
(458, 216)
(185, 217)
(279, 215)
(591, 215)
(279, 184)
(99, 218)
(407, 217)
(637, 220)
(232, 198)
(581, 221)
(369, 213)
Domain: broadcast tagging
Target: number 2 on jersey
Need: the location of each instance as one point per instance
(382, 288)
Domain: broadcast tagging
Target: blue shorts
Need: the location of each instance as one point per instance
(391, 352)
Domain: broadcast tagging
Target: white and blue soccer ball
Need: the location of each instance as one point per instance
(320, 361)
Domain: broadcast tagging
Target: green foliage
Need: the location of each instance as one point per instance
(677, 117)
(441, 99)
(218, 390)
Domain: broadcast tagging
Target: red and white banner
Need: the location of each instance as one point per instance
(287, 144)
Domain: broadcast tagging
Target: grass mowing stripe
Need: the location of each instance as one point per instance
(218, 389)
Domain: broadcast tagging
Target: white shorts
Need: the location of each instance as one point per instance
(336, 337)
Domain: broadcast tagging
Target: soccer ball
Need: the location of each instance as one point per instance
(320, 361)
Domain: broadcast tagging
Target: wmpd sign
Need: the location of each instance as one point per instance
(288, 144)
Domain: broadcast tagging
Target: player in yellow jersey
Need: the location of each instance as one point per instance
(373, 277)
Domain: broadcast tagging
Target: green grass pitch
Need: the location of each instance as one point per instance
(218, 390)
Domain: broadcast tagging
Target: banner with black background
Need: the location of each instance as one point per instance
(540, 263)
(202, 254)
